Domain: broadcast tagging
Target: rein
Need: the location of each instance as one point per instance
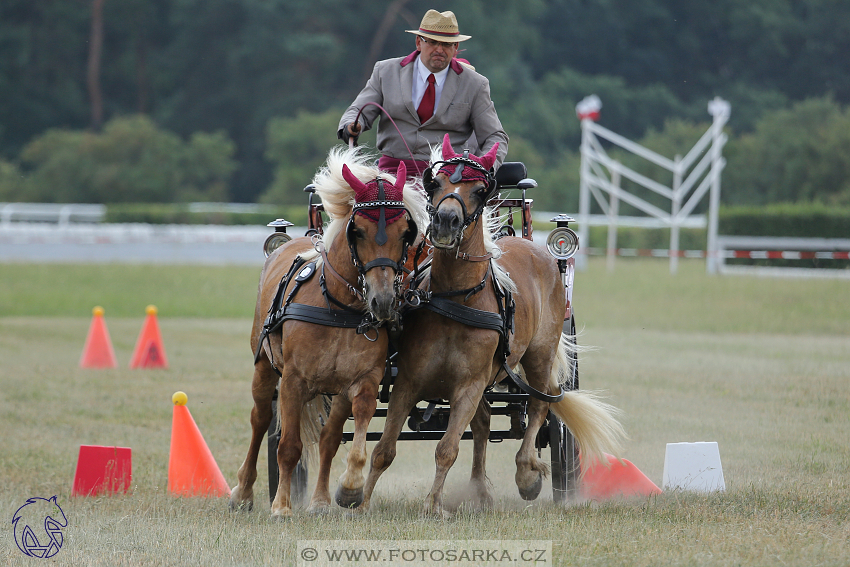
(325, 262)
(387, 114)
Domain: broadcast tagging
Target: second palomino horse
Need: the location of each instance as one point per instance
(487, 308)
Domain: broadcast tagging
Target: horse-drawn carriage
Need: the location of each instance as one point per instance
(530, 364)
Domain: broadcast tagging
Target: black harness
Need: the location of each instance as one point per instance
(282, 310)
(503, 322)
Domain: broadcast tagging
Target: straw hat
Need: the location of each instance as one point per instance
(439, 27)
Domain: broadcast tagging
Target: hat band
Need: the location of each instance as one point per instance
(442, 34)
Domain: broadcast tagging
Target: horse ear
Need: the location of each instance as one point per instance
(488, 159)
(400, 176)
(358, 186)
(448, 151)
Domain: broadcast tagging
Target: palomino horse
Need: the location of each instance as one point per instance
(324, 333)
(454, 348)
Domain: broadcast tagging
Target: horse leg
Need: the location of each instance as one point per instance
(478, 481)
(530, 470)
(349, 493)
(289, 449)
(262, 389)
(401, 402)
(462, 410)
(328, 446)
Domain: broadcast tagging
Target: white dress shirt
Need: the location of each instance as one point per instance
(420, 83)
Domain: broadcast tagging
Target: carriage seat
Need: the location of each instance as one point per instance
(512, 174)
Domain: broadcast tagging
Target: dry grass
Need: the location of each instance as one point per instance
(776, 402)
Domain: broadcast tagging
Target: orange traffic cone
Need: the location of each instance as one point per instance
(602, 482)
(98, 351)
(149, 352)
(192, 470)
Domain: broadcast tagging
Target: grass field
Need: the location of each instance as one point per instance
(762, 366)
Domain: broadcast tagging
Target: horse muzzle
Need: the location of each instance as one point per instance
(381, 297)
(446, 228)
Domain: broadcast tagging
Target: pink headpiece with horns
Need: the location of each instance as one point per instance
(469, 173)
(378, 200)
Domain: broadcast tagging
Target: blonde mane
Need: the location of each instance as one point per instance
(338, 198)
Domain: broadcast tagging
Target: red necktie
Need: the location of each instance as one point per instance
(426, 107)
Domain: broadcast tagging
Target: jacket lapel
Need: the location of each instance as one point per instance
(406, 78)
(447, 96)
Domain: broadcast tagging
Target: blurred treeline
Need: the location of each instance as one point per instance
(238, 100)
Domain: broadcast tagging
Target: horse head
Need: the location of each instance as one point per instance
(458, 192)
(377, 241)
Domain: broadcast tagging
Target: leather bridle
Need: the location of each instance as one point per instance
(382, 204)
(460, 162)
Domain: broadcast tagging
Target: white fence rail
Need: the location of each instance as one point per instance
(694, 175)
(61, 214)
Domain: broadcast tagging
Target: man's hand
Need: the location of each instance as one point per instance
(351, 130)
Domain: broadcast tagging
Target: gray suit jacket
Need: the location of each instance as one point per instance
(465, 111)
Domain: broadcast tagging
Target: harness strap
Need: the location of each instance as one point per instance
(469, 258)
(321, 316)
(469, 292)
(383, 262)
(335, 274)
(531, 391)
(466, 315)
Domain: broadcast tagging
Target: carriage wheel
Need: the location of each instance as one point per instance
(566, 467)
(299, 475)
(557, 445)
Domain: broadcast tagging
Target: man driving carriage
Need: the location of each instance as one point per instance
(428, 94)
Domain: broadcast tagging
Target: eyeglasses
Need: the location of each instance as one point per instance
(433, 43)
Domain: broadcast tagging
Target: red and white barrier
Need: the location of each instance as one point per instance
(726, 254)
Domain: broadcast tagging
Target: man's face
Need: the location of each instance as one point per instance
(435, 55)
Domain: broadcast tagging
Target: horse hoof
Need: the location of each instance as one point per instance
(348, 498)
(319, 510)
(241, 506)
(533, 491)
(283, 514)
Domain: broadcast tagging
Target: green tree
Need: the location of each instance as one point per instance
(298, 147)
(132, 160)
(801, 154)
(10, 180)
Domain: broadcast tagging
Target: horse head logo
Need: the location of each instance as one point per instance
(38, 527)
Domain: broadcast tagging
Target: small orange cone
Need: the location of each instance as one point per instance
(149, 352)
(602, 482)
(98, 351)
(192, 470)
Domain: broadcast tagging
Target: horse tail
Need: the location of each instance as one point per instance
(314, 414)
(593, 422)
